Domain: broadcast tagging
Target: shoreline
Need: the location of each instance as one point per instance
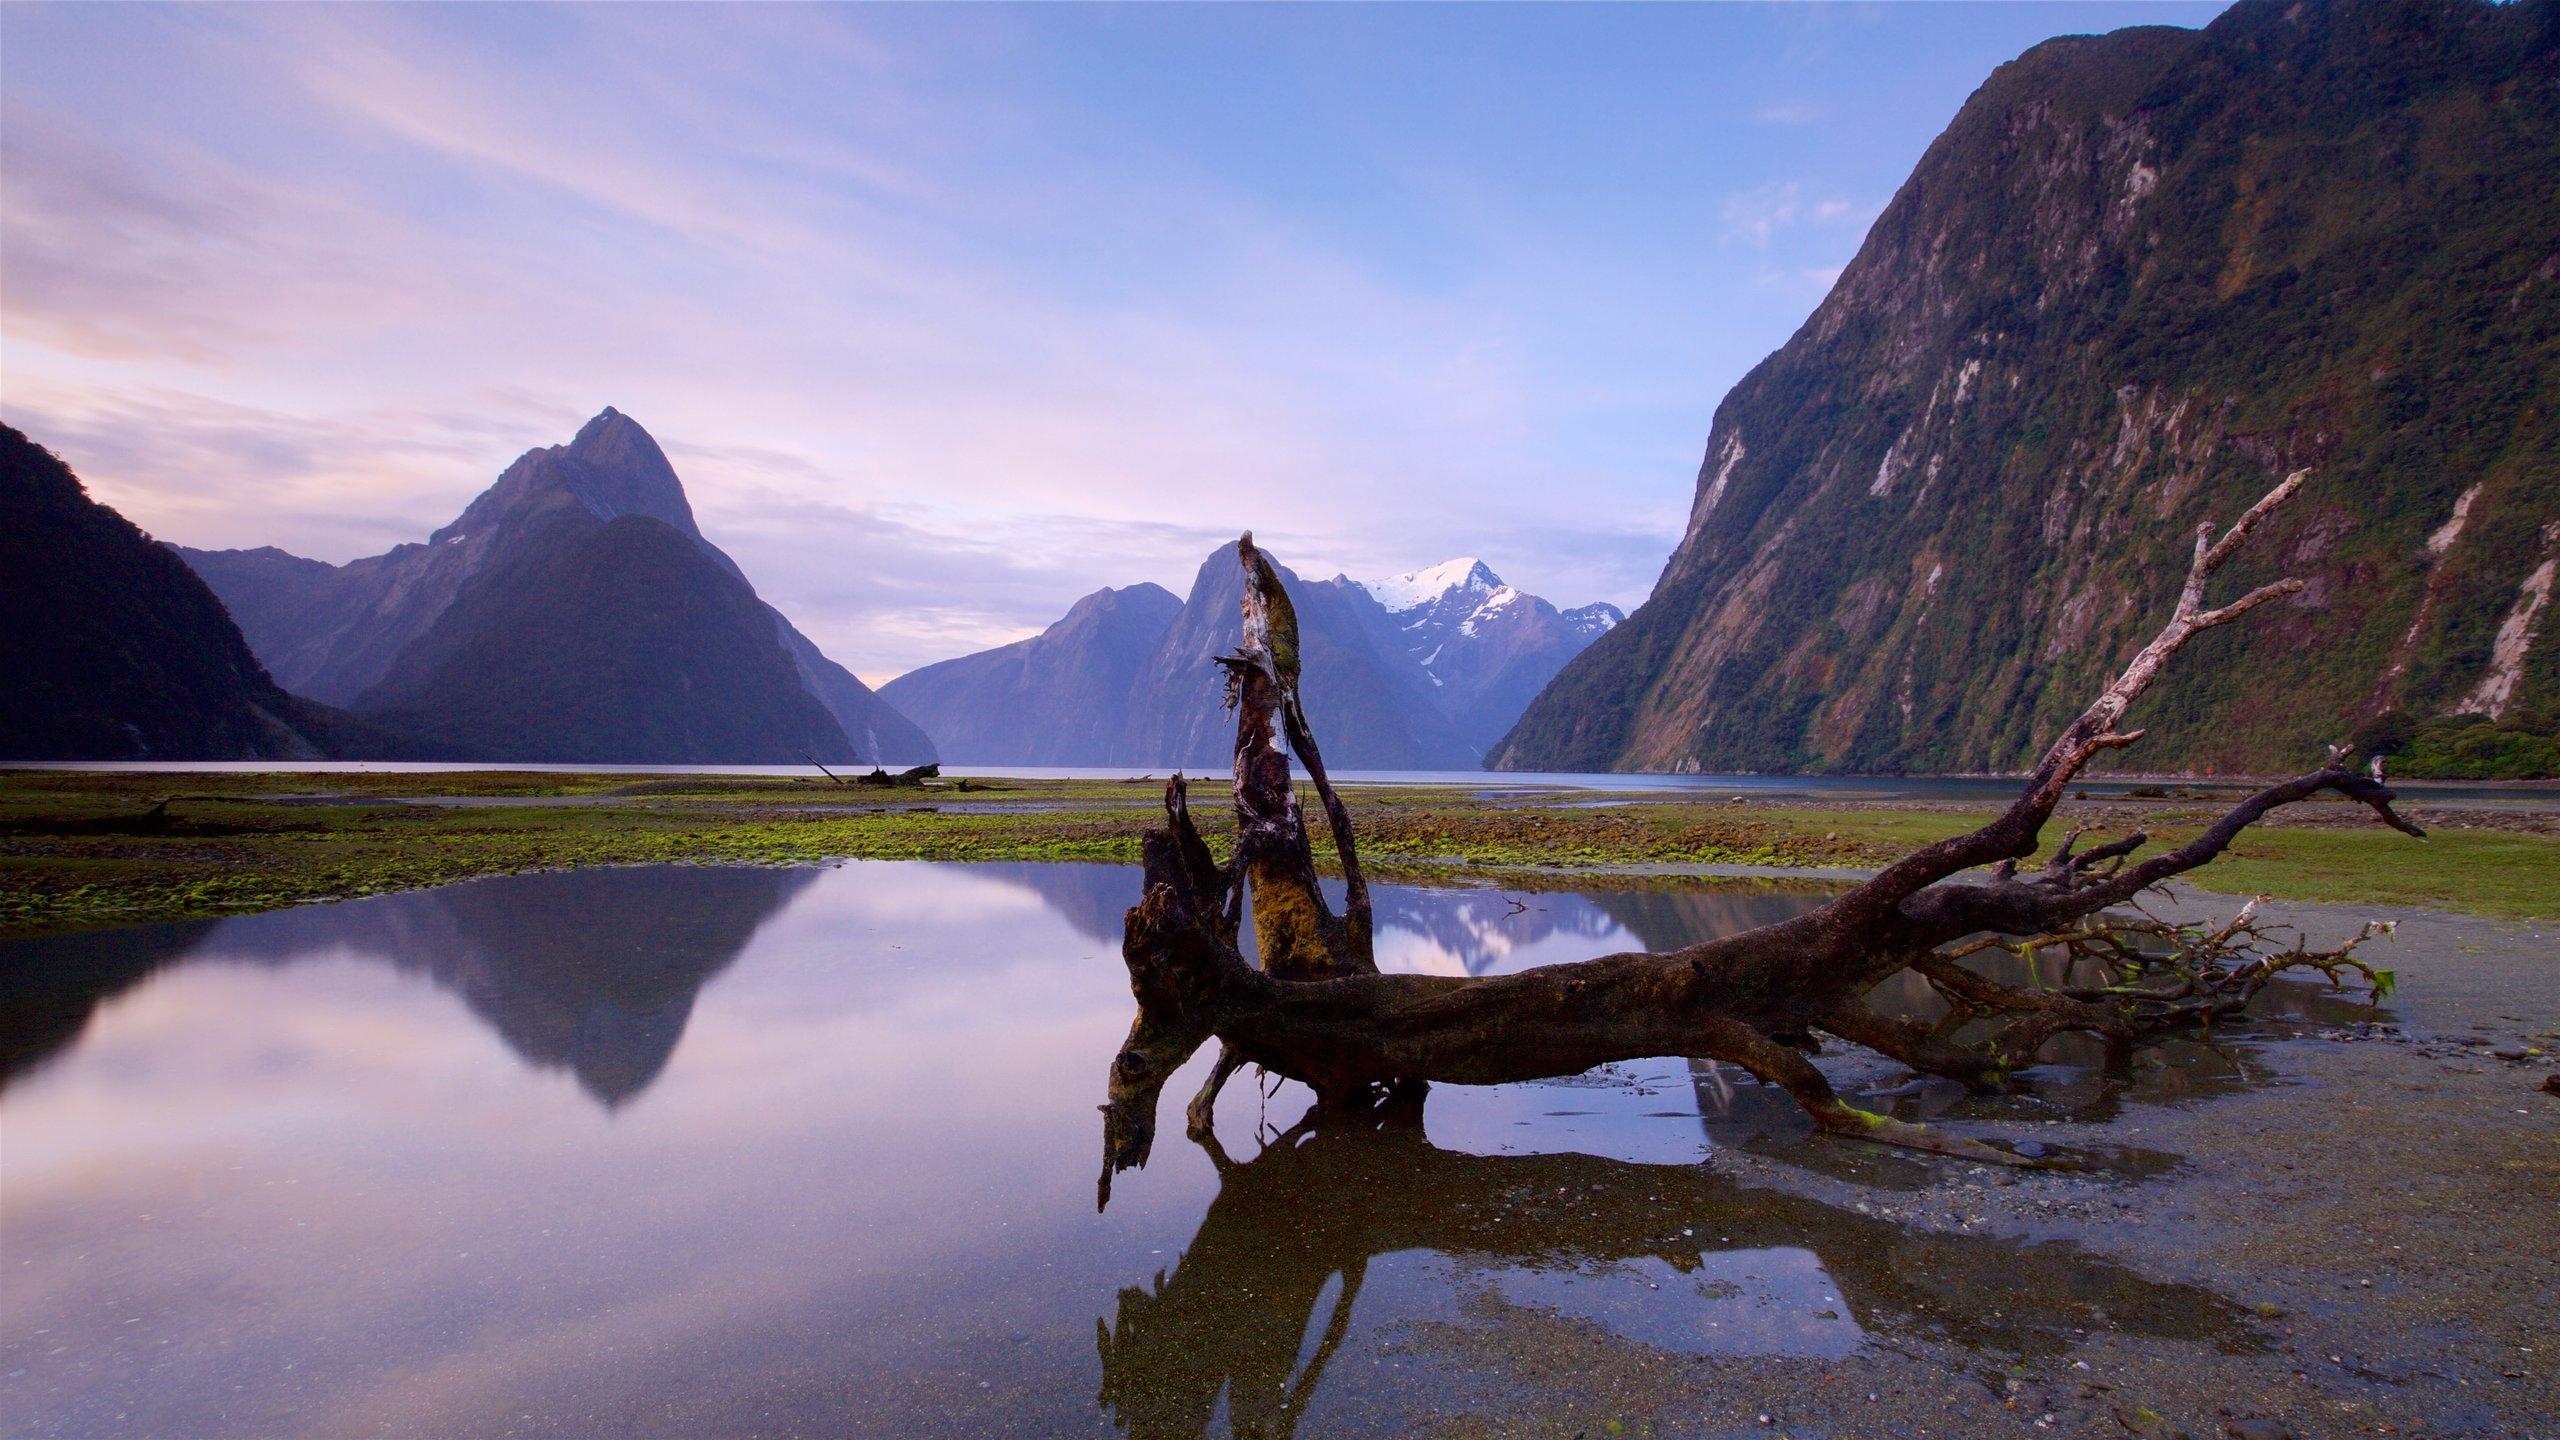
(83, 849)
(1637, 781)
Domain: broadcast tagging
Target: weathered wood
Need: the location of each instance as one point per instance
(1318, 1011)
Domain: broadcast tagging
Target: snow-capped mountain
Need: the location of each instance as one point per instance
(1447, 580)
(1422, 671)
(1487, 647)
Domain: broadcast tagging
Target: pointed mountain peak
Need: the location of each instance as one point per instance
(612, 468)
(1417, 588)
(609, 427)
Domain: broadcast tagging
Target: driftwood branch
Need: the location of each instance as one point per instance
(1317, 1010)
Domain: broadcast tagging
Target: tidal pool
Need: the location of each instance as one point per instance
(720, 1151)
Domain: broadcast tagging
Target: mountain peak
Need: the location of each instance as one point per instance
(1416, 588)
(612, 468)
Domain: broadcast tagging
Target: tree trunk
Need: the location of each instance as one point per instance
(1318, 1011)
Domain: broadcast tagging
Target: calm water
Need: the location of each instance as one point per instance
(696, 1150)
(1860, 787)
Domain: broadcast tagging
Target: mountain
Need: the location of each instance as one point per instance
(1061, 697)
(1415, 673)
(605, 641)
(572, 612)
(1372, 709)
(2141, 276)
(114, 650)
(1487, 647)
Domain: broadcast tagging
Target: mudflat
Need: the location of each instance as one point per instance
(2348, 1230)
(86, 848)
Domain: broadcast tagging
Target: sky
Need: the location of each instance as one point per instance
(948, 315)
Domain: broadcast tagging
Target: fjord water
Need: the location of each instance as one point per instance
(707, 1150)
(1613, 783)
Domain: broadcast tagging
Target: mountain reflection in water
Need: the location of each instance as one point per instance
(1472, 931)
(589, 971)
(697, 1150)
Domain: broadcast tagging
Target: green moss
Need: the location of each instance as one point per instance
(81, 849)
(2484, 872)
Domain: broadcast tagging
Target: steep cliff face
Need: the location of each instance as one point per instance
(2139, 278)
(549, 570)
(111, 649)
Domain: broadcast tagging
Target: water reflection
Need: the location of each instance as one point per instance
(1465, 932)
(319, 1173)
(52, 985)
(589, 971)
(1671, 1256)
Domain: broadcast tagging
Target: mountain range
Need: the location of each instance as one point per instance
(1487, 648)
(574, 612)
(2140, 277)
(1419, 672)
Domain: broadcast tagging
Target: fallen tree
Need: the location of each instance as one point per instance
(1317, 1009)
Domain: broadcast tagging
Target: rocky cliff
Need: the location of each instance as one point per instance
(2140, 277)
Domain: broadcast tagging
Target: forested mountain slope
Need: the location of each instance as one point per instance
(111, 649)
(2138, 279)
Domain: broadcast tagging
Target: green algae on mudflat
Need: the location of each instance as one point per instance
(83, 848)
(2510, 874)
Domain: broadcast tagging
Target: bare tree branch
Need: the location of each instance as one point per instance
(1317, 1010)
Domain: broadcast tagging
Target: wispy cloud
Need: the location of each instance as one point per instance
(1758, 215)
(947, 315)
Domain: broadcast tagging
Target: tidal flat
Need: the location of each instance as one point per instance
(792, 1149)
(88, 848)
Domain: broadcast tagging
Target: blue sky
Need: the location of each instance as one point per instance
(949, 315)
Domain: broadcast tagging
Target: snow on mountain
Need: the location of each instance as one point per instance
(1596, 619)
(1484, 646)
(1424, 670)
(1417, 588)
